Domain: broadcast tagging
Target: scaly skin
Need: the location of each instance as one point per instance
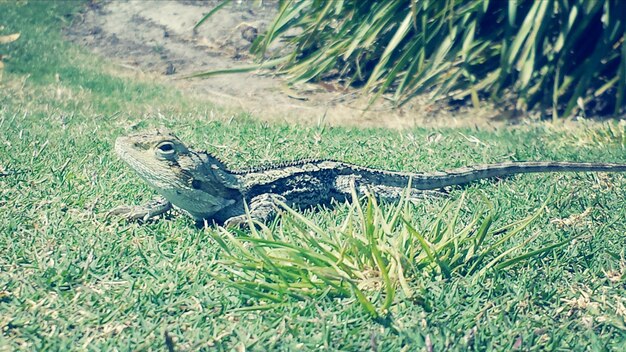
(202, 186)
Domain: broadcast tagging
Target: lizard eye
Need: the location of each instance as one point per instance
(165, 150)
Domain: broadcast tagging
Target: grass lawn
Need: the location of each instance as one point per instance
(72, 279)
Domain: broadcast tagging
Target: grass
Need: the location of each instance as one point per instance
(70, 279)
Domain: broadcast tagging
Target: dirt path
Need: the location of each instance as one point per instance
(156, 37)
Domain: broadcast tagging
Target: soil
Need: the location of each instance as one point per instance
(157, 38)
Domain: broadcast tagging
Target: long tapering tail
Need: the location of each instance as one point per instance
(468, 174)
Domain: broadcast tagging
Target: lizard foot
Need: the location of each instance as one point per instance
(141, 213)
(236, 221)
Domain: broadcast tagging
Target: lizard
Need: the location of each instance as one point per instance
(201, 185)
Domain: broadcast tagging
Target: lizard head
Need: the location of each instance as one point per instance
(196, 182)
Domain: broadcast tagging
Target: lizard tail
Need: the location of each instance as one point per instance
(466, 175)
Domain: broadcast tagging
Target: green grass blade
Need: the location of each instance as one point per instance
(211, 13)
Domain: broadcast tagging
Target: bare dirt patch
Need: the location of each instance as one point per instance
(157, 38)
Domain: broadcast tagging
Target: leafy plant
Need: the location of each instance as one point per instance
(560, 55)
(374, 255)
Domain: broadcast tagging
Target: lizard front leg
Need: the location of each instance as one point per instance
(157, 206)
(262, 208)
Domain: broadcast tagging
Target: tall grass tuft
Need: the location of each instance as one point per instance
(560, 55)
(374, 255)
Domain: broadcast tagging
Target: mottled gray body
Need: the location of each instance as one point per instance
(206, 189)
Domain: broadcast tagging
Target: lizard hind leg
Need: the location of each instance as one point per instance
(393, 193)
(262, 208)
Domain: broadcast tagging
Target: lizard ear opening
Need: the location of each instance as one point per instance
(165, 150)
